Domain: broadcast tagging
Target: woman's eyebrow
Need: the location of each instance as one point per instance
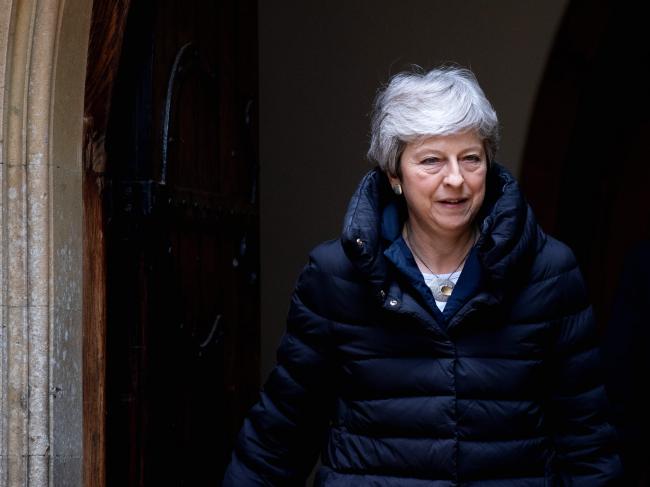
(473, 148)
(428, 150)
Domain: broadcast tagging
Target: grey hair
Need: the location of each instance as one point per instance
(417, 104)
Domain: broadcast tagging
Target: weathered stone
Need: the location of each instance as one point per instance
(42, 72)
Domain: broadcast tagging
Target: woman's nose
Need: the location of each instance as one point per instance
(454, 176)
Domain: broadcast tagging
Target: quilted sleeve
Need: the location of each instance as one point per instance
(584, 440)
(280, 439)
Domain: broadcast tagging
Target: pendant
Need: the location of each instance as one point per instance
(442, 289)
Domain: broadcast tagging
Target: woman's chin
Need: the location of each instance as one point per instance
(453, 227)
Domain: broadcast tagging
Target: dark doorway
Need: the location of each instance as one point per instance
(586, 171)
(182, 335)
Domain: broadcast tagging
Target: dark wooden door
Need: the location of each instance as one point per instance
(182, 241)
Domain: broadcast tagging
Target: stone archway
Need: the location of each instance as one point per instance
(43, 45)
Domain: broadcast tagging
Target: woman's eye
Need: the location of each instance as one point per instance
(473, 158)
(431, 160)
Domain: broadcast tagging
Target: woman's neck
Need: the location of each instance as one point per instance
(441, 254)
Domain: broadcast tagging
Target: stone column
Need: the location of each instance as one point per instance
(42, 67)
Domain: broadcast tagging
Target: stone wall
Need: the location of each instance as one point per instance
(42, 70)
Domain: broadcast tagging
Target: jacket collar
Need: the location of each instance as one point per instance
(361, 236)
(509, 239)
(510, 236)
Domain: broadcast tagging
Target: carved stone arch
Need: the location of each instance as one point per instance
(43, 49)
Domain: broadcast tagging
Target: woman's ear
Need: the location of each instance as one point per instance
(396, 184)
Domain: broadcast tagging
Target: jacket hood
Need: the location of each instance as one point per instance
(509, 234)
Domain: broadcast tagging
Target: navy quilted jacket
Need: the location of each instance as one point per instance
(502, 390)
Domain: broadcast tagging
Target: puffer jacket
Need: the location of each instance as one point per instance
(505, 391)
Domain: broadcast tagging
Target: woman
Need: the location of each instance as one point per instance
(443, 339)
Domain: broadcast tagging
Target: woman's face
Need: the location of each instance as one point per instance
(443, 180)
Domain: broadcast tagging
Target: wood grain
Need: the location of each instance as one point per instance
(106, 34)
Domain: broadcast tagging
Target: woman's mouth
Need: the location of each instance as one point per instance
(453, 202)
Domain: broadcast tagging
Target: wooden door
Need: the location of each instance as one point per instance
(182, 336)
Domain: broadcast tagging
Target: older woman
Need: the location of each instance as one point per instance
(443, 339)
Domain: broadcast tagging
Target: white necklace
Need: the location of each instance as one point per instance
(441, 287)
